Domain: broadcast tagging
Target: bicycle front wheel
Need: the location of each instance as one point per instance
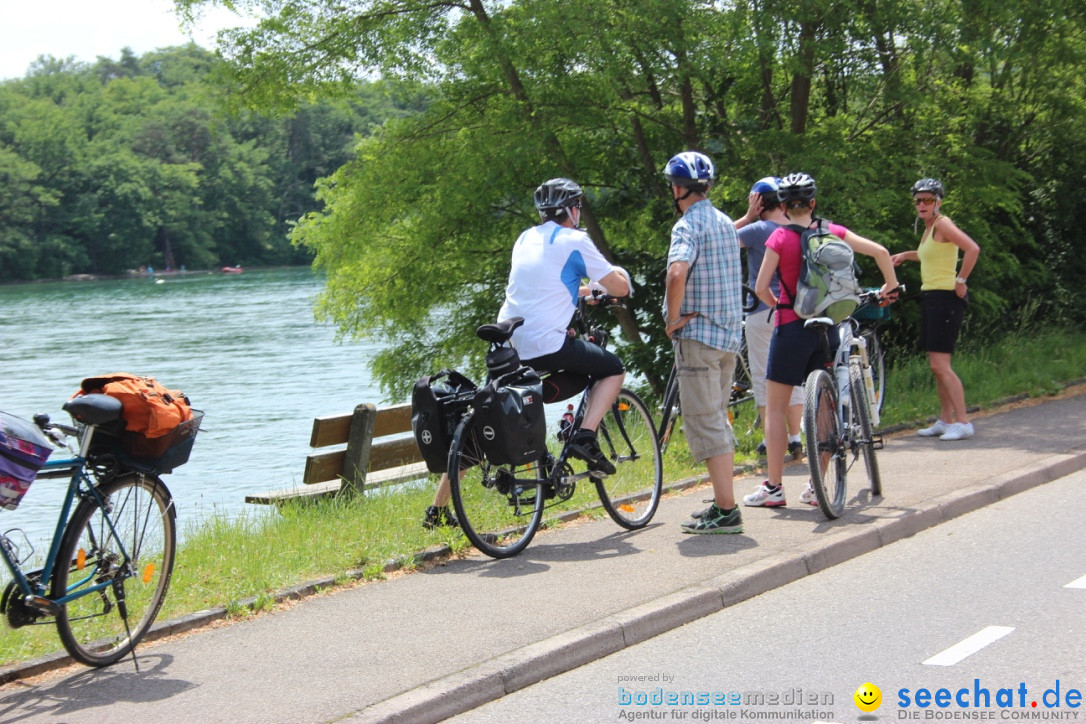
(877, 357)
(626, 436)
(500, 508)
(114, 567)
(863, 435)
(825, 456)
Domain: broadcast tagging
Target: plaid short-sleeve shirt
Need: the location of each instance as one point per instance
(705, 239)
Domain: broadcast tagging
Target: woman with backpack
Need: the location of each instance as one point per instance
(944, 295)
(795, 351)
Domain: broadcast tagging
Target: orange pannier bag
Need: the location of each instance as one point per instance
(148, 408)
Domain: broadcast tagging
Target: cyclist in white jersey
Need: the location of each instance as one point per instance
(551, 263)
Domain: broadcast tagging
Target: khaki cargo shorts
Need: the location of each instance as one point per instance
(705, 385)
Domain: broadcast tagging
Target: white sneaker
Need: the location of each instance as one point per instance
(808, 495)
(958, 431)
(763, 497)
(935, 430)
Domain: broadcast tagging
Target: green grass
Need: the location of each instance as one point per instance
(241, 564)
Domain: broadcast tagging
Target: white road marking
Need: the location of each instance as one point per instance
(969, 646)
(1077, 583)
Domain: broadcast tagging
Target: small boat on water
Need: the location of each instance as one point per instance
(231, 270)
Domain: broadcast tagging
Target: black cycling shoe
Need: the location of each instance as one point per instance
(584, 445)
(439, 517)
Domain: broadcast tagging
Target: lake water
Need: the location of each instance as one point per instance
(245, 348)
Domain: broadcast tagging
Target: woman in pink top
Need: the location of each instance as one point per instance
(794, 351)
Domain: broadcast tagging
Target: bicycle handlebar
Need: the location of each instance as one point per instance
(750, 300)
(870, 297)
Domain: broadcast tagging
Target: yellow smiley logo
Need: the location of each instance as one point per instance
(867, 697)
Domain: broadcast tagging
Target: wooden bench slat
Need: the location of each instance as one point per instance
(390, 453)
(392, 420)
(377, 479)
(310, 491)
(330, 430)
(321, 467)
(335, 429)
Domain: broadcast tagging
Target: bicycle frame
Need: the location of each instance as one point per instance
(849, 343)
(79, 486)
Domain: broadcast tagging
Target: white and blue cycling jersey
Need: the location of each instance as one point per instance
(550, 262)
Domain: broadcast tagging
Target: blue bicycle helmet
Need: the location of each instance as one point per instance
(767, 186)
(927, 185)
(690, 170)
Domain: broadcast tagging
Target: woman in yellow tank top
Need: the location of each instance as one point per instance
(944, 295)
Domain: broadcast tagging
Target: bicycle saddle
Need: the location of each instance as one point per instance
(499, 332)
(93, 409)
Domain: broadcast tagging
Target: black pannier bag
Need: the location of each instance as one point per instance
(434, 418)
(510, 425)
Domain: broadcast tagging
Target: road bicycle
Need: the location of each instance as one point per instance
(742, 386)
(840, 412)
(111, 557)
(501, 506)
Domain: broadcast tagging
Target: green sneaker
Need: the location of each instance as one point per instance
(716, 520)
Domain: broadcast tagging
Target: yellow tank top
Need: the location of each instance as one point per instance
(938, 262)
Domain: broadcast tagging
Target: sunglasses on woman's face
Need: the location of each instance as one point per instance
(924, 201)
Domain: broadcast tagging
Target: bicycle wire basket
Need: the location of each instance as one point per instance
(159, 455)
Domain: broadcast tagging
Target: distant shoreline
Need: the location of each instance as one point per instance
(136, 274)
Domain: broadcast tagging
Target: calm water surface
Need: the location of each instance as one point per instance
(245, 348)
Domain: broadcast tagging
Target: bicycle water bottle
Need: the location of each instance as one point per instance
(843, 393)
(869, 381)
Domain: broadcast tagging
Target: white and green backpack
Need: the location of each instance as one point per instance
(827, 284)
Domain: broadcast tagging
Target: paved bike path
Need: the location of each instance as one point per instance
(426, 645)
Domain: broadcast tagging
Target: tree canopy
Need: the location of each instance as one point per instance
(866, 96)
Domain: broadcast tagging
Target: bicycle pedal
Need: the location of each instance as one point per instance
(39, 603)
(877, 441)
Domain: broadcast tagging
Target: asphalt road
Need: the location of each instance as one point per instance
(1010, 579)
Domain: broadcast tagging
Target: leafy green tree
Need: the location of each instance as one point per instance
(866, 96)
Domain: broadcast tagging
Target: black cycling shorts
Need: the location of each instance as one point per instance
(794, 352)
(578, 361)
(941, 317)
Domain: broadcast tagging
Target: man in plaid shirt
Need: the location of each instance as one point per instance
(703, 317)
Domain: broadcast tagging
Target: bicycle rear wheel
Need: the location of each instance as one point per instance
(670, 411)
(822, 429)
(877, 357)
(500, 508)
(626, 436)
(98, 628)
(863, 436)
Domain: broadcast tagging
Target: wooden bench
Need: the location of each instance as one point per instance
(377, 453)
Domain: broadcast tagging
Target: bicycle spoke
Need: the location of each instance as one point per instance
(627, 437)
